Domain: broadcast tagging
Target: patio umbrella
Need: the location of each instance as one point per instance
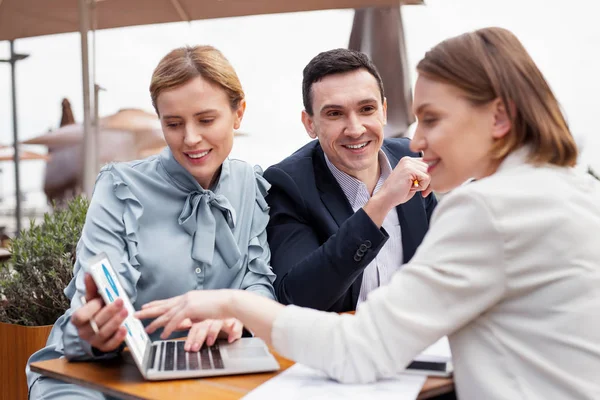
(378, 32)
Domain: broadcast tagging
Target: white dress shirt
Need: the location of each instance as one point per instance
(509, 270)
(389, 259)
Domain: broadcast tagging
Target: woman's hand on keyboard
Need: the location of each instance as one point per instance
(193, 307)
(253, 310)
(209, 330)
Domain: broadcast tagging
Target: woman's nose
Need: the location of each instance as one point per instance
(192, 136)
(418, 143)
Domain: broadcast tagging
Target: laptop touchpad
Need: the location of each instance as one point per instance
(246, 352)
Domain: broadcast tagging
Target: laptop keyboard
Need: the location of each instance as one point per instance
(173, 356)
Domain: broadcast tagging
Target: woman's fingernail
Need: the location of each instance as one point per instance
(123, 312)
(196, 347)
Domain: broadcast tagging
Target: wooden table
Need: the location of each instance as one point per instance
(121, 378)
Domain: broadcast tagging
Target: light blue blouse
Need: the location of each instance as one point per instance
(165, 235)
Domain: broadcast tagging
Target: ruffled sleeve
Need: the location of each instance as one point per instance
(260, 276)
(111, 227)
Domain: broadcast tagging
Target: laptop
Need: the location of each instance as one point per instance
(167, 359)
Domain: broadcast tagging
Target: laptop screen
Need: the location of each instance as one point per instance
(108, 284)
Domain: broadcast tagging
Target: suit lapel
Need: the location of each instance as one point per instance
(331, 193)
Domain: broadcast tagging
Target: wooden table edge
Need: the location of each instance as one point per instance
(447, 386)
(442, 386)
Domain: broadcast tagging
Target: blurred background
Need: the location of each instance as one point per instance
(269, 53)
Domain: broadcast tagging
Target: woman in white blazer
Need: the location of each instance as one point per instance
(510, 268)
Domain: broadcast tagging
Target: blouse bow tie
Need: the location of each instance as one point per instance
(209, 219)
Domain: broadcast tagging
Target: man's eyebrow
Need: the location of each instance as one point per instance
(367, 101)
(337, 106)
(330, 106)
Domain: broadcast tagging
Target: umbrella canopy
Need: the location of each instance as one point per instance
(26, 18)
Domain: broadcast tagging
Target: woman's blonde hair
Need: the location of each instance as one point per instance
(492, 63)
(186, 63)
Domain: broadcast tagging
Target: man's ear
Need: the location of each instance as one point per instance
(502, 122)
(309, 124)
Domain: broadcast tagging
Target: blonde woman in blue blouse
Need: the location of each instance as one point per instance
(187, 219)
(510, 266)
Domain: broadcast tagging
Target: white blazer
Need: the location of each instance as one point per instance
(510, 271)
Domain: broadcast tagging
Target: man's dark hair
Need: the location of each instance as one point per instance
(331, 62)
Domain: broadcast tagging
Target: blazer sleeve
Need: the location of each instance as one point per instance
(456, 275)
(311, 274)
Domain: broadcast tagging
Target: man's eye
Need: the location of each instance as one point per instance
(206, 120)
(334, 114)
(173, 124)
(368, 109)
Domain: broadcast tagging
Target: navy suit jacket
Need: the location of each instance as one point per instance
(315, 237)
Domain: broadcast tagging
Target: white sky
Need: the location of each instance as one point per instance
(269, 53)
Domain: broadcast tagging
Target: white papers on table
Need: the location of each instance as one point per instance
(300, 382)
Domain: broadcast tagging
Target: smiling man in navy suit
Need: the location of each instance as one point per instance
(349, 209)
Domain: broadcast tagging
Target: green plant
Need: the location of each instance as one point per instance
(41, 266)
